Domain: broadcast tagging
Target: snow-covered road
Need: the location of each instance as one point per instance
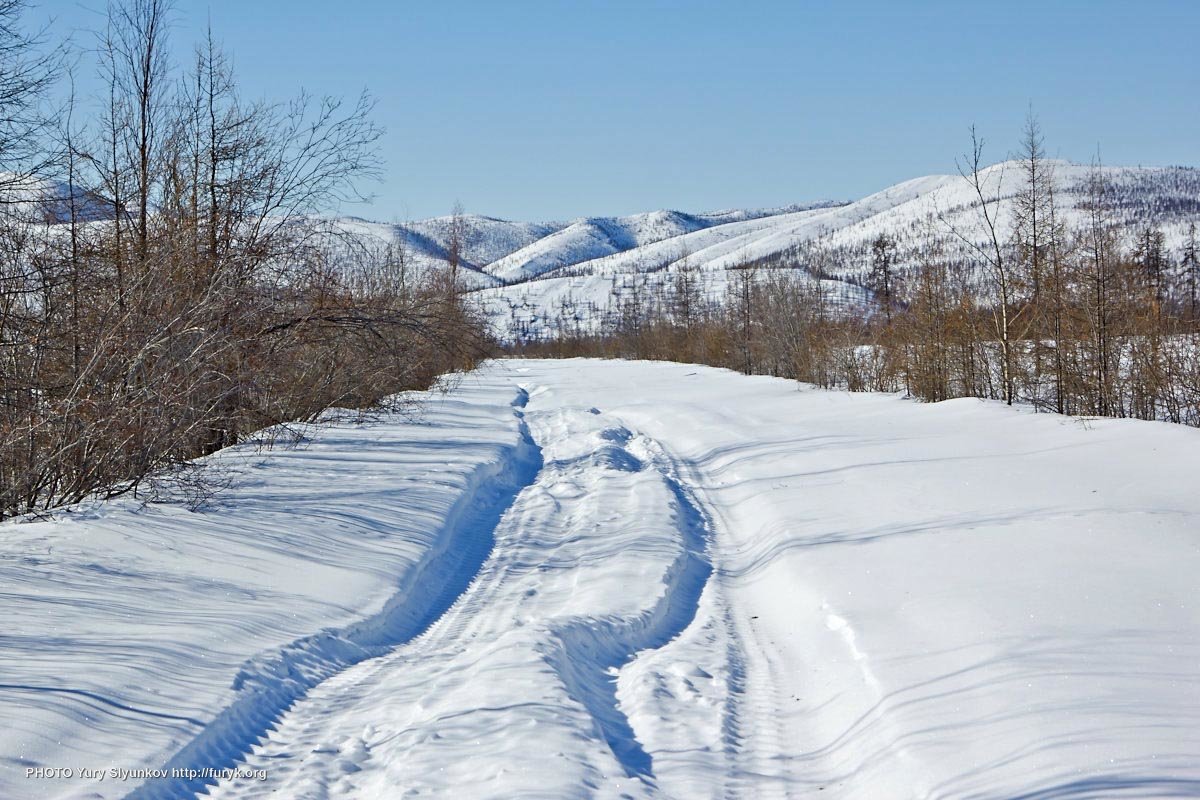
(612, 579)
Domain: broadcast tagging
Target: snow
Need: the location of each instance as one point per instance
(131, 636)
(531, 278)
(588, 239)
(422, 255)
(633, 579)
(30, 198)
(484, 239)
(549, 307)
(597, 245)
(914, 213)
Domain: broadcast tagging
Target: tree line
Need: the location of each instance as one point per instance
(1086, 313)
(167, 284)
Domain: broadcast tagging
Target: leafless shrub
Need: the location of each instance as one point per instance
(209, 301)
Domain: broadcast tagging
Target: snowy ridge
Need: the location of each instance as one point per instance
(651, 241)
(538, 280)
(421, 253)
(590, 239)
(49, 201)
(484, 239)
(562, 290)
(535, 279)
(496, 252)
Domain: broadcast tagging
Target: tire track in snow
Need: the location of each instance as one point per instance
(270, 684)
(594, 649)
(416, 710)
(744, 714)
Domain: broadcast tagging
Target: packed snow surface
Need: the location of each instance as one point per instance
(629, 579)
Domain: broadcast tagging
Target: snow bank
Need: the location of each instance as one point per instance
(143, 638)
(951, 600)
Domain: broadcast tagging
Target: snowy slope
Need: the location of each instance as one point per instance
(584, 303)
(421, 253)
(620, 579)
(484, 239)
(501, 251)
(588, 240)
(530, 276)
(1165, 196)
(935, 209)
(697, 248)
(48, 200)
(133, 639)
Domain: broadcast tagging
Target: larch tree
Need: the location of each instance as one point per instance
(986, 242)
(882, 278)
(1032, 233)
(1189, 268)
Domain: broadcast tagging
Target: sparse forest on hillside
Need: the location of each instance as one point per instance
(1089, 313)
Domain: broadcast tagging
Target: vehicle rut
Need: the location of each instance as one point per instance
(269, 685)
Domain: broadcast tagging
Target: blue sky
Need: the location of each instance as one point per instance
(552, 110)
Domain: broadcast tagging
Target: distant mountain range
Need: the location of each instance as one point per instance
(535, 277)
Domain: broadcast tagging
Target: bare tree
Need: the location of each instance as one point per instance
(1057, 289)
(1099, 276)
(1189, 266)
(455, 242)
(1032, 233)
(28, 69)
(1153, 263)
(991, 254)
(208, 298)
(136, 51)
(743, 283)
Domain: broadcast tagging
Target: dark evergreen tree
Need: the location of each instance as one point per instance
(882, 278)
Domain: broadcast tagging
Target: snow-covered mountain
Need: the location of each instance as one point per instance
(550, 284)
(496, 252)
(49, 200)
(485, 240)
(534, 278)
(588, 240)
